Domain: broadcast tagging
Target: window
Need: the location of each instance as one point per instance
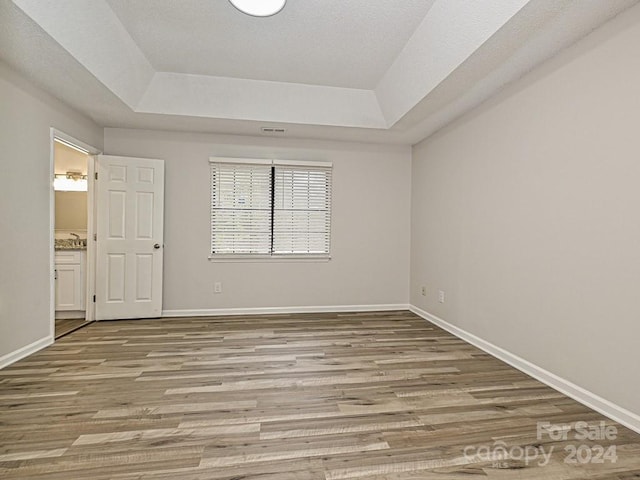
(270, 208)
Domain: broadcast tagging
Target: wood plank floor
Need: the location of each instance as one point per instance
(68, 325)
(377, 396)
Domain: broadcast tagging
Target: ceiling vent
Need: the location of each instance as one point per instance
(273, 130)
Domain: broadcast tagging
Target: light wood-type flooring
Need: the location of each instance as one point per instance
(65, 326)
(376, 396)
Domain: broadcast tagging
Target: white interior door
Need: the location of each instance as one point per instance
(129, 237)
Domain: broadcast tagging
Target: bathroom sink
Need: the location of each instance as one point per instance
(70, 244)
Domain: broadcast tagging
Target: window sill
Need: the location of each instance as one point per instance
(269, 258)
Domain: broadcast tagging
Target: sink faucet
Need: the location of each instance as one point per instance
(77, 237)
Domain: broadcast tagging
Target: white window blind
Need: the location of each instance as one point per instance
(270, 208)
(301, 210)
(240, 208)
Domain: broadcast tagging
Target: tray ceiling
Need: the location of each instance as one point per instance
(383, 71)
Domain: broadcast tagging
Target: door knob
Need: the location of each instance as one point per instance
(156, 246)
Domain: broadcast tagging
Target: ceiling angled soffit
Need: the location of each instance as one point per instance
(450, 33)
(335, 43)
(99, 41)
(94, 36)
(455, 56)
(31, 53)
(536, 33)
(259, 100)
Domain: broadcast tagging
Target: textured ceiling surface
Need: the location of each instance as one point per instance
(386, 71)
(318, 42)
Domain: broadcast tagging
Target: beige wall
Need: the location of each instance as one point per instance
(25, 119)
(527, 214)
(68, 159)
(370, 227)
(71, 211)
(71, 207)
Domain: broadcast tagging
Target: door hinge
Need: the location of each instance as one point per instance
(96, 175)
(94, 299)
(95, 237)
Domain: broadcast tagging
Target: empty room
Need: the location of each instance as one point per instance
(320, 239)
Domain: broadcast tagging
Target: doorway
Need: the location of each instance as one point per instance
(114, 261)
(72, 209)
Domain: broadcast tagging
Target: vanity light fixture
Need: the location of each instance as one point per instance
(70, 182)
(259, 8)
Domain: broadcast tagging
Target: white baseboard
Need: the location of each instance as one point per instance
(218, 312)
(25, 351)
(609, 409)
(69, 314)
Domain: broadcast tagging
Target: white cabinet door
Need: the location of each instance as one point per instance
(129, 222)
(69, 291)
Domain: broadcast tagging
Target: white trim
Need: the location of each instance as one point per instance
(605, 407)
(303, 163)
(218, 312)
(53, 133)
(276, 258)
(92, 151)
(247, 161)
(267, 161)
(70, 314)
(68, 139)
(25, 351)
(71, 145)
(90, 263)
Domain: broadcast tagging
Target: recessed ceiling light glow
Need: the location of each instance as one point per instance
(259, 8)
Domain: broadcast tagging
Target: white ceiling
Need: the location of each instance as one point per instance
(378, 71)
(317, 42)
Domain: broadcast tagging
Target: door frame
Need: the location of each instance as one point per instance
(90, 276)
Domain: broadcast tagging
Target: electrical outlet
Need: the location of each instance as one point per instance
(441, 296)
(217, 287)
(423, 291)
